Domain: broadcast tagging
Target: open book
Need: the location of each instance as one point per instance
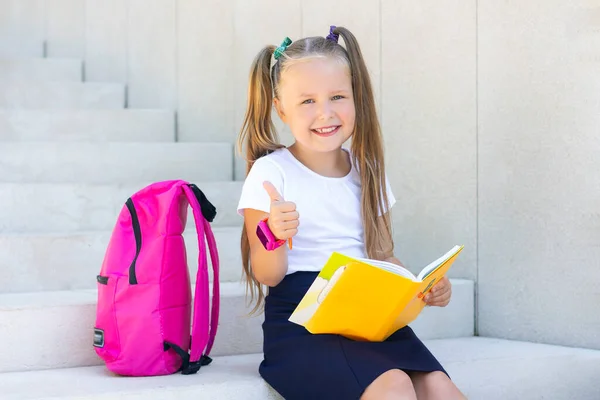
(366, 299)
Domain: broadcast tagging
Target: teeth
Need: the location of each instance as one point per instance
(326, 130)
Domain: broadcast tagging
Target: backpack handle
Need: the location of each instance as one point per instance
(203, 332)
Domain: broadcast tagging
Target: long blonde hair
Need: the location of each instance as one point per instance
(260, 138)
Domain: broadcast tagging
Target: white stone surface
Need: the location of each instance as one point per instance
(61, 95)
(87, 125)
(62, 162)
(205, 88)
(539, 180)
(11, 48)
(22, 21)
(72, 313)
(494, 369)
(457, 319)
(484, 369)
(232, 377)
(65, 28)
(152, 54)
(85, 207)
(54, 329)
(105, 40)
(45, 262)
(429, 124)
(40, 69)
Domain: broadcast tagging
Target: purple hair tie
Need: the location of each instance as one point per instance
(332, 36)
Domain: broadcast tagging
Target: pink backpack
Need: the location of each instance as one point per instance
(143, 316)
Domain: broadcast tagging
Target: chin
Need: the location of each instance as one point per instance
(326, 147)
(328, 144)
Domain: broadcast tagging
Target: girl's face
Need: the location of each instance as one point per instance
(316, 102)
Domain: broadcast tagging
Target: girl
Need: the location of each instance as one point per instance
(302, 202)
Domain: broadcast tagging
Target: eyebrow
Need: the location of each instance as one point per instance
(332, 92)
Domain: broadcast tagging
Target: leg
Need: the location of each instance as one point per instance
(435, 385)
(391, 385)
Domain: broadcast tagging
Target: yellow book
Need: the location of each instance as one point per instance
(365, 299)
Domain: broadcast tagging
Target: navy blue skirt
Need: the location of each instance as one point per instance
(300, 365)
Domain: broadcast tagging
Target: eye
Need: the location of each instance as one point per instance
(308, 101)
(337, 97)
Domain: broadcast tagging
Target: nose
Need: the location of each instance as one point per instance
(326, 110)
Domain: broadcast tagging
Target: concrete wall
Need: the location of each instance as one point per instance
(429, 120)
(491, 112)
(539, 171)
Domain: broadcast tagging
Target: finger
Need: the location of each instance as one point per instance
(440, 303)
(439, 293)
(282, 226)
(288, 233)
(289, 215)
(440, 289)
(439, 300)
(441, 283)
(290, 224)
(272, 191)
(286, 207)
(433, 295)
(441, 286)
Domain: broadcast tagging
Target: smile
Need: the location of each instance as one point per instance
(326, 131)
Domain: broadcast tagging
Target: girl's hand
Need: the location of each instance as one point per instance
(440, 294)
(283, 217)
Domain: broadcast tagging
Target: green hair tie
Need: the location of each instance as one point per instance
(279, 51)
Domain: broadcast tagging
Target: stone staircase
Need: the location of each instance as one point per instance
(70, 154)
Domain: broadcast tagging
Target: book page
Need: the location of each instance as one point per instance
(436, 264)
(390, 267)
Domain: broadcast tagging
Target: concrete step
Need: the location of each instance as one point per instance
(87, 125)
(21, 48)
(40, 69)
(115, 163)
(496, 369)
(77, 207)
(483, 368)
(43, 321)
(61, 95)
(34, 324)
(50, 262)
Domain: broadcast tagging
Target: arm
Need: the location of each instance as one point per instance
(268, 267)
(260, 199)
(388, 244)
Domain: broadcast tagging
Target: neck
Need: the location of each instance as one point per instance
(333, 164)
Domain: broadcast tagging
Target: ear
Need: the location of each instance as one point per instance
(279, 109)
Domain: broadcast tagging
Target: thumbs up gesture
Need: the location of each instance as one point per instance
(283, 219)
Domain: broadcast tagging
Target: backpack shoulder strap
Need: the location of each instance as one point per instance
(203, 330)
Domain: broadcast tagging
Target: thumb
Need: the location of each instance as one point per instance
(272, 191)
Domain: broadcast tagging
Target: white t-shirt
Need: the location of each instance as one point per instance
(328, 208)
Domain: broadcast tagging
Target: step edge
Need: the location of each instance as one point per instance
(83, 297)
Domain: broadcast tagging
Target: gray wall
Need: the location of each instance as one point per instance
(491, 112)
(539, 171)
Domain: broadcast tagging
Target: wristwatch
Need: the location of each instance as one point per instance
(266, 237)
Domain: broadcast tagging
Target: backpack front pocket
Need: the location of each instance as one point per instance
(106, 333)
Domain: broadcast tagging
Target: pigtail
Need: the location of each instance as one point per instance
(258, 132)
(368, 153)
(259, 137)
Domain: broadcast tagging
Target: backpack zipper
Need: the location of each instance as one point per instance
(138, 240)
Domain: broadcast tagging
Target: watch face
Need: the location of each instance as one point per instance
(261, 236)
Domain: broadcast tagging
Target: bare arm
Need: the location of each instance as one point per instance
(268, 267)
(387, 245)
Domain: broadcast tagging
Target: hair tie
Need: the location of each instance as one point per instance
(332, 36)
(279, 51)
